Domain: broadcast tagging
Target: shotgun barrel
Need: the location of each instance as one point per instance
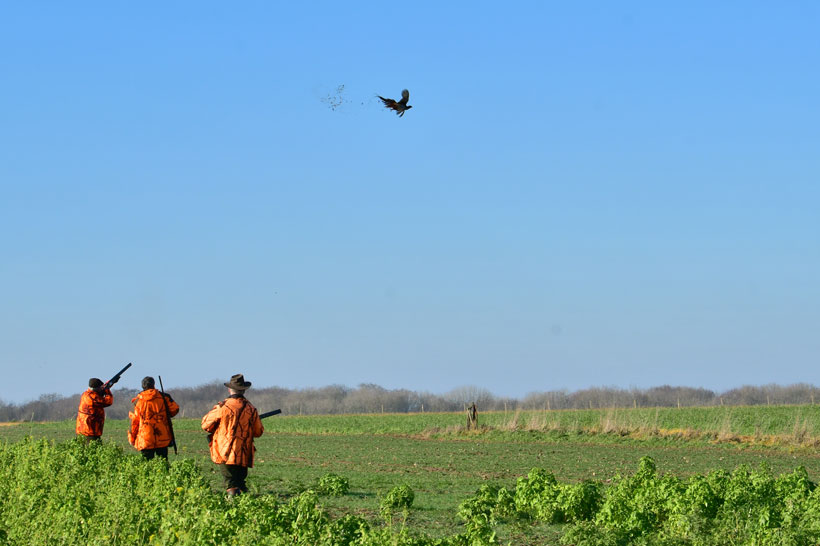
(270, 413)
(168, 415)
(116, 378)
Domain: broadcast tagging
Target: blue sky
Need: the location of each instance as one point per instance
(586, 193)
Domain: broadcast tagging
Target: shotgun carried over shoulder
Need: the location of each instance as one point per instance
(108, 384)
(270, 413)
(168, 415)
(261, 416)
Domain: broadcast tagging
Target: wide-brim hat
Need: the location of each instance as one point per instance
(238, 383)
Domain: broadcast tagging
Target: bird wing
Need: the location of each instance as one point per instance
(387, 102)
(405, 96)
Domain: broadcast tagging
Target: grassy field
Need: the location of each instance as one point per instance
(445, 464)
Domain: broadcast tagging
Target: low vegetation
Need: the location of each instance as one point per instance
(595, 477)
(79, 493)
(742, 507)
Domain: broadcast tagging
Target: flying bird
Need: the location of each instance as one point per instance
(399, 106)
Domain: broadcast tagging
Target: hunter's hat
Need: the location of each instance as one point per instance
(95, 383)
(238, 383)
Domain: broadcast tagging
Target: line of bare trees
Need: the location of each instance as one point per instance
(370, 398)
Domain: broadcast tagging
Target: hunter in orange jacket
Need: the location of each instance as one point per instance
(232, 425)
(150, 430)
(91, 415)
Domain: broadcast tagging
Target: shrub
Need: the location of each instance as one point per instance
(399, 498)
(332, 485)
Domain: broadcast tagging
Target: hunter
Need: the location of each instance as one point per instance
(231, 426)
(150, 430)
(91, 414)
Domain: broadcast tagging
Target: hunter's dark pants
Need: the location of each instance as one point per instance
(234, 476)
(157, 451)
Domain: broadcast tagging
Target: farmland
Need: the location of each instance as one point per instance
(445, 465)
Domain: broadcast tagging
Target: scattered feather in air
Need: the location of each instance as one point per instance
(336, 98)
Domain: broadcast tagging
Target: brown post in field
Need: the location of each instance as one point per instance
(472, 416)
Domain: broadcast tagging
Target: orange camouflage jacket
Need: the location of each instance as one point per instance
(233, 424)
(149, 423)
(91, 415)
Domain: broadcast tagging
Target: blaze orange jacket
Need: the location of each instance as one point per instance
(91, 415)
(233, 424)
(149, 423)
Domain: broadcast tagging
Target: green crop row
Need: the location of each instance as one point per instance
(742, 507)
(73, 493)
(793, 423)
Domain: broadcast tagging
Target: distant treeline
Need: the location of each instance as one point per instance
(369, 398)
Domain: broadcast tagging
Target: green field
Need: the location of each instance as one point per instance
(445, 464)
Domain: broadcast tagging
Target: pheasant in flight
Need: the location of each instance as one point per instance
(399, 106)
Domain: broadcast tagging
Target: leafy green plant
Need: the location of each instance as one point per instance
(73, 493)
(400, 498)
(97, 493)
(332, 485)
(579, 502)
(489, 506)
(744, 507)
(536, 496)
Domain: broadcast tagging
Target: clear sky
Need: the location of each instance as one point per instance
(584, 194)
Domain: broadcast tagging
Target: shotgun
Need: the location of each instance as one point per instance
(261, 416)
(168, 415)
(108, 384)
